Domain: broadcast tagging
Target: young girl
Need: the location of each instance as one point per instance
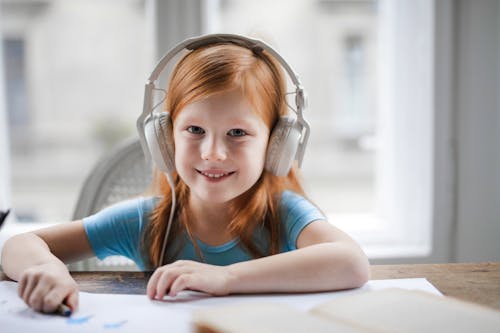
(237, 228)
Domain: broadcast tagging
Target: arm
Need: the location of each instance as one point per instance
(37, 260)
(326, 259)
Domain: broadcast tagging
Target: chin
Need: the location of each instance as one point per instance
(215, 198)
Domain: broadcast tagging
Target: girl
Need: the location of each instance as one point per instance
(237, 227)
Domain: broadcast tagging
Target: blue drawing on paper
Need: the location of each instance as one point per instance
(117, 324)
(27, 313)
(78, 320)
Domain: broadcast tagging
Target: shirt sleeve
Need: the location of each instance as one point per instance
(297, 213)
(117, 230)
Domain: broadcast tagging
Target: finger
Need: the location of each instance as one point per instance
(52, 299)
(153, 280)
(37, 296)
(183, 282)
(163, 284)
(23, 281)
(29, 286)
(153, 283)
(167, 278)
(59, 295)
(72, 300)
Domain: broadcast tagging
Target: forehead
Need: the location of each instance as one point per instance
(225, 105)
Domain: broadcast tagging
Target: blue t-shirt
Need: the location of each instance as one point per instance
(117, 230)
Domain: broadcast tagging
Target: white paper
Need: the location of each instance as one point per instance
(137, 314)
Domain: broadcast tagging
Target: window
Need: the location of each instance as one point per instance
(14, 57)
(367, 67)
(75, 73)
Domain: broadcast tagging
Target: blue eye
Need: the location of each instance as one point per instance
(237, 132)
(195, 130)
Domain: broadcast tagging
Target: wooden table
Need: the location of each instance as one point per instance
(474, 282)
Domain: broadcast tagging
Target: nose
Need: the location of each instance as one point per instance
(213, 149)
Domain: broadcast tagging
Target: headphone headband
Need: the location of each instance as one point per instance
(193, 43)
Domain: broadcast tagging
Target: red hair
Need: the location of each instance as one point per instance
(203, 72)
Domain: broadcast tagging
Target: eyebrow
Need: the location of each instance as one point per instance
(242, 122)
(239, 121)
(188, 119)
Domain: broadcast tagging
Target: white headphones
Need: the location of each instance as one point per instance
(287, 142)
(288, 139)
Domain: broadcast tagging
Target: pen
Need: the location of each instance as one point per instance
(3, 216)
(64, 310)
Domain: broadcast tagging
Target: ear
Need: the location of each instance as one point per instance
(158, 131)
(282, 146)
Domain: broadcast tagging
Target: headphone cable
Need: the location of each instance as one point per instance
(170, 219)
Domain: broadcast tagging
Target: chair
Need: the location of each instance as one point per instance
(121, 174)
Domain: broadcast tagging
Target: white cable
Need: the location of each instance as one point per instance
(162, 99)
(286, 101)
(170, 219)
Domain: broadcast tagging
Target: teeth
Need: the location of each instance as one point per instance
(212, 175)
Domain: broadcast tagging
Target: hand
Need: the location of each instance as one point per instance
(188, 275)
(44, 287)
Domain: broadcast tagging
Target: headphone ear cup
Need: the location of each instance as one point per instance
(158, 132)
(282, 146)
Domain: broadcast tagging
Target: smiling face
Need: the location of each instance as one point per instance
(220, 147)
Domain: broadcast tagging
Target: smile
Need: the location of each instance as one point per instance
(215, 175)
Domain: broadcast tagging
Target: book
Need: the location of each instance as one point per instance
(383, 311)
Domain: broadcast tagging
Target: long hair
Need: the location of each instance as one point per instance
(201, 73)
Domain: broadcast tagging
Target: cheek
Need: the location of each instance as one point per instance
(263, 146)
(256, 153)
(181, 151)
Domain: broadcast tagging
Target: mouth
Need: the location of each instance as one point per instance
(215, 175)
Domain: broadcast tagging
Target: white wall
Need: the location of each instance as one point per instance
(4, 142)
(478, 131)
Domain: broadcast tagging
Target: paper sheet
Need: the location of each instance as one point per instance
(136, 313)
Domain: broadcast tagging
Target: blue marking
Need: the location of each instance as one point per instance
(114, 325)
(78, 320)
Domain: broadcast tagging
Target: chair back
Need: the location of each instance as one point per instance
(121, 174)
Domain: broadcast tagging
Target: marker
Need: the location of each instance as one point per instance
(3, 216)
(64, 310)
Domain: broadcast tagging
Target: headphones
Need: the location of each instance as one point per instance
(289, 136)
(287, 141)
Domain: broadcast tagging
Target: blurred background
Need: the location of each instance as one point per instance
(403, 103)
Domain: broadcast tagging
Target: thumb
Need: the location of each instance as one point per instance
(72, 300)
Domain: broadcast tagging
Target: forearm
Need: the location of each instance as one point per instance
(321, 267)
(24, 251)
